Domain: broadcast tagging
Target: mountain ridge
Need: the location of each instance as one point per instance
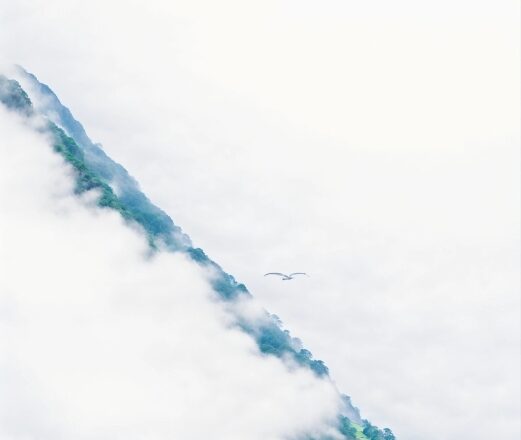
(95, 170)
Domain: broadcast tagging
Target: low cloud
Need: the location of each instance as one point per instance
(101, 340)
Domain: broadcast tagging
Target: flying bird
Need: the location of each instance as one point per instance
(286, 277)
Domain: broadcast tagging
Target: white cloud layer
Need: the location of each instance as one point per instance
(100, 341)
(374, 146)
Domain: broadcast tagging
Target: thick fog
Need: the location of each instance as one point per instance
(374, 146)
(102, 340)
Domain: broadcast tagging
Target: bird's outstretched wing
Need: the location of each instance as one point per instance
(298, 273)
(275, 273)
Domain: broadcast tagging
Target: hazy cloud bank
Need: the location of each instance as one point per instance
(101, 340)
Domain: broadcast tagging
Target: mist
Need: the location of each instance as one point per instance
(375, 148)
(101, 339)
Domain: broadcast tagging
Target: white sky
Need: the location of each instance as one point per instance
(373, 145)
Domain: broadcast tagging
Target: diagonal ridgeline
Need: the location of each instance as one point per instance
(94, 170)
